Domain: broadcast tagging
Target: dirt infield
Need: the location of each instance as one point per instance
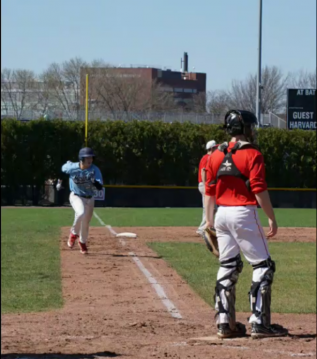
(112, 310)
(187, 234)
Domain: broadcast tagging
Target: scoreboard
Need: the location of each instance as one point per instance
(301, 109)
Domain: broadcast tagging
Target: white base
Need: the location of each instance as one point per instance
(126, 234)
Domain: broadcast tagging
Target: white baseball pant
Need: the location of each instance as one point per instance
(84, 208)
(201, 188)
(238, 228)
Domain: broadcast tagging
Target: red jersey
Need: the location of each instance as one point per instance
(202, 164)
(230, 190)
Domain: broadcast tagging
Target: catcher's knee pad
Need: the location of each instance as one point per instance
(265, 288)
(236, 265)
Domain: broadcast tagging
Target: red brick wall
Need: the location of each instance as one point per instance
(148, 75)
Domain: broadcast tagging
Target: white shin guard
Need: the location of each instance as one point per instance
(260, 293)
(225, 290)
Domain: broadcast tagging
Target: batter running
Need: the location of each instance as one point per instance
(236, 182)
(84, 178)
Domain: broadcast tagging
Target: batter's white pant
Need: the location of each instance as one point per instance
(201, 188)
(239, 228)
(84, 208)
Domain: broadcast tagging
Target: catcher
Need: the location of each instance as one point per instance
(236, 181)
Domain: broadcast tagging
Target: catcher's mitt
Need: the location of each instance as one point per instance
(210, 238)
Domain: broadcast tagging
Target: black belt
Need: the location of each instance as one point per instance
(88, 197)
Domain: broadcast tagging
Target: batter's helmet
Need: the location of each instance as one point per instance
(85, 152)
(236, 121)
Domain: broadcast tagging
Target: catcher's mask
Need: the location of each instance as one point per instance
(84, 153)
(240, 122)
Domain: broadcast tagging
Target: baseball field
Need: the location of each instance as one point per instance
(150, 297)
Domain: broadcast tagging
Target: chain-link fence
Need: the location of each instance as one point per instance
(28, 115)
(268, 120)
(272, 120)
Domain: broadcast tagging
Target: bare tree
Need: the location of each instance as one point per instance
(243, 93)
(94, 71)
(199, 103)
(99, 63)
(218, 102)
(63, 84)
(5, 89)
(158, 99)
(274, 91)
(114, 92)
(98, 97)
(44, 98)
(17, 91)
(123, 93)
(303, 79)
(119, 92)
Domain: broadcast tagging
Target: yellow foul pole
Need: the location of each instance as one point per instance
(86, 122)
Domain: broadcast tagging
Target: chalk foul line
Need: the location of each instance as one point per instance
(121, 240)
(154, 283)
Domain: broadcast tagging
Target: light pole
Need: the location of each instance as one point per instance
(259, 85)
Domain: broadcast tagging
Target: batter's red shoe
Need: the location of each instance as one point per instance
(71, 240)
(83, 248)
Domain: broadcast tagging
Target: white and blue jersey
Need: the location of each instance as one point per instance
(80, 181)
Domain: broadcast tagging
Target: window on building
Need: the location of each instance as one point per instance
(167, 89)
(178, 89)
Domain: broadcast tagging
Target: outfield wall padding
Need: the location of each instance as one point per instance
(144, 197)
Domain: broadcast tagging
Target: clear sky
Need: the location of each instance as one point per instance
(220, 36)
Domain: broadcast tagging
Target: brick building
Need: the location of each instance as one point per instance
(184, 86)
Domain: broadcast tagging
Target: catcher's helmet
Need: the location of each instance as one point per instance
(85, 152)
(237, 120)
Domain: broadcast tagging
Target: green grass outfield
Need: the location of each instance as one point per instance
(184, 217)
(294, 287)
(151, 217)
(30, 254)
